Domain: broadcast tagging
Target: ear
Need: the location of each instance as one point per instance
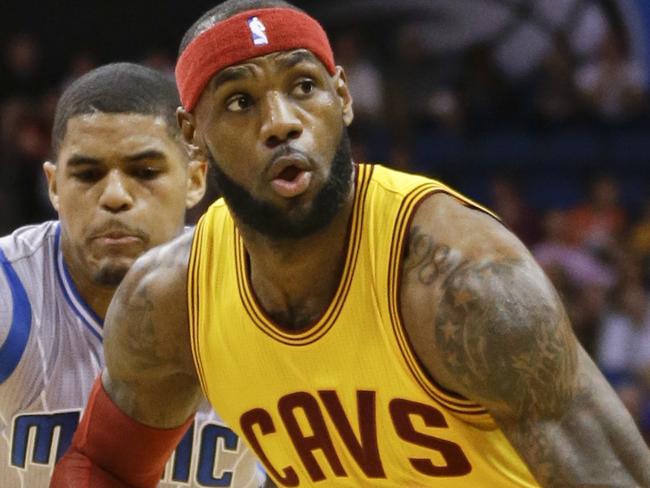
(187, 125)
(343, 91)
(196, 181)
(50, 174)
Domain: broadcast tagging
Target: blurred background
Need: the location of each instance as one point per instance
(538, 109)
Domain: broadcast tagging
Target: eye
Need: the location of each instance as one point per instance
(238, 103)
(305, 87)
(146, 173)
(88, 175)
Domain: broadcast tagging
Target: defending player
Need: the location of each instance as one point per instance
(121, 182)
(359, 326)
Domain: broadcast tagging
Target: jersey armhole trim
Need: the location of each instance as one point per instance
(452, 401)
(77, 304)
(193, 300)
(21, 322)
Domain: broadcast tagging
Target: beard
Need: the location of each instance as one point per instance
(111, 270)
(279, 223)
(110, 276)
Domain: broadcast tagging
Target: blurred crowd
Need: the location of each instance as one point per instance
(558, 154)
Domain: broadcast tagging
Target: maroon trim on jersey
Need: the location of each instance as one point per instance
(323, 324)
(450, 400)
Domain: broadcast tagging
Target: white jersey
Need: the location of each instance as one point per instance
(50, 355)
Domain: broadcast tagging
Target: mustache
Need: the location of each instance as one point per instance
(286, 150)
(117, 226)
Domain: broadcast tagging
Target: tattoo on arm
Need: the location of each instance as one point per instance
(508, 340)
(502, 338)
(140, 340)
(147, 354)
(426, 259)
(509, 345)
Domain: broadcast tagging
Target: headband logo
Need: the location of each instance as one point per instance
(257, 31)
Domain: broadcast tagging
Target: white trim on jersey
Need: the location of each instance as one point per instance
(72, 296)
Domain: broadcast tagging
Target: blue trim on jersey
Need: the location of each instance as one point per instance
(75, 301)
(21, 322)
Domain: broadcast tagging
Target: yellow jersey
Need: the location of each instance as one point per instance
(342, 403)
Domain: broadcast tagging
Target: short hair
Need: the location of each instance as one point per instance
(117, 88)
(224, 11)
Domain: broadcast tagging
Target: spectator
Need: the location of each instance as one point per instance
(624, 347)
(639, 243)
(367, 87)
(555, 96)
(613, 85)
(484, 91)
(22, 73)
(598, 223)
(414, 78)
(582, 280)
(364, 78)
(508, 204)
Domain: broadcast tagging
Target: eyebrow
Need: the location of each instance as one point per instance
(234, 73)
(82, 160)
(296, 57)
(144, 155)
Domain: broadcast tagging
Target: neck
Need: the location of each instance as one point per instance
(97, 297)
(295, 280)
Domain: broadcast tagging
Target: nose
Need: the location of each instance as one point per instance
(280, 121)
(115, 196)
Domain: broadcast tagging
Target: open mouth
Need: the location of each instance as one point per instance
(291, 182)
(289, 173)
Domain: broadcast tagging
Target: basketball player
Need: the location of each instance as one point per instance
(121, 182)
(358, 326)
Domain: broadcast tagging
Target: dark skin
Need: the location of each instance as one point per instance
(484, 320)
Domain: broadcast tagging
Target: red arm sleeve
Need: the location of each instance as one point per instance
(111, 450)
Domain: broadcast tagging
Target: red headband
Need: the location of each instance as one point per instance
(244, 36)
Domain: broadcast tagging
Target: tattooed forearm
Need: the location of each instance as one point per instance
(140, 340)
(150, 372)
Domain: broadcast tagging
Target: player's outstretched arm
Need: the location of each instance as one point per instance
(149, 391)
(514, 351)
(486, 323)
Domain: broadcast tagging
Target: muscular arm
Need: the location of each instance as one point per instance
(149, 370)
(499, 335)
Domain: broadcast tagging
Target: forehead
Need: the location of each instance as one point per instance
(115, 133)
(277, 61)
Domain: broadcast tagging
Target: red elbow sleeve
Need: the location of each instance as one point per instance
(110, 449)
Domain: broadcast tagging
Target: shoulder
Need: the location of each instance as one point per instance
(468, 227)
(23, 259)
(446, 235)
(493, 321)
(26, 241)
(163, 269)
